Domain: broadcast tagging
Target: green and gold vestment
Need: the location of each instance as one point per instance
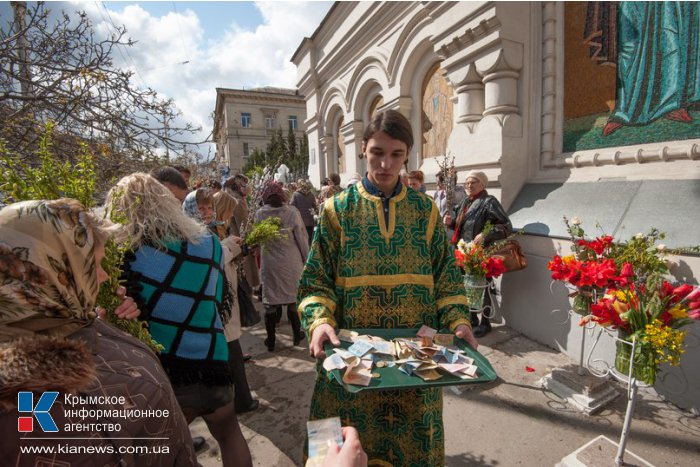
(363, 273)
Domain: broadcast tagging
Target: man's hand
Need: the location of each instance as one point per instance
(464, 332)
(447, 220)
(479, 239)
(321, 334)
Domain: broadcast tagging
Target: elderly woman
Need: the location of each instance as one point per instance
(471, 218)
(175, 269)
(303, 199)
(282, 262)
(50, 274)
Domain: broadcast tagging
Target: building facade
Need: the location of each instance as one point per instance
(246, 120)
(563, 105)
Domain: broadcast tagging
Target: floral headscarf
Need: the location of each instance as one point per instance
(47, 266)
(190, 208)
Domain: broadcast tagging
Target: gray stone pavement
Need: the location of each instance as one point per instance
(511, 422)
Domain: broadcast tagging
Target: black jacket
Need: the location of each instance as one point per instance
(482, 209)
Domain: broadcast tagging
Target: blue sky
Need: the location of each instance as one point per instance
(225, 44)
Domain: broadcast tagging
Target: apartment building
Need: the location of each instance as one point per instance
(246, 119)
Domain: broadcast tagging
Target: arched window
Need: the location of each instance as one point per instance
(437, 112)
(376, 103)
(340, 145)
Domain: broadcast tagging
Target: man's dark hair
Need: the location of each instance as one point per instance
(170, 175)
(214, 184)
(393, 124)
(182, 168)
(335, 178)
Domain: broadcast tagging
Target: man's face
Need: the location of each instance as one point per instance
(385, 158)
(179, 193)
(186, 176)
(414, 183)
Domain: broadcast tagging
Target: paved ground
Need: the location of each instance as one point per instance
(511, 422)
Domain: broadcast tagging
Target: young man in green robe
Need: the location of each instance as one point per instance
(381, 260)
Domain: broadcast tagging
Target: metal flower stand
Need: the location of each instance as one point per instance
(602, 448)
(581, 388)
(632, 382)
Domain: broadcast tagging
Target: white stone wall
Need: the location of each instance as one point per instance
(504, 61)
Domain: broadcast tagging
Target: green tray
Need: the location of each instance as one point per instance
(393, 378)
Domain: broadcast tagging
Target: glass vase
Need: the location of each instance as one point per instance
(475, 288)
(643, 369)
(581, 304)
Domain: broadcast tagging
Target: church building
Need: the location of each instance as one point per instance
(568, 107)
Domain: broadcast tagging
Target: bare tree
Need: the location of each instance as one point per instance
(58, 71)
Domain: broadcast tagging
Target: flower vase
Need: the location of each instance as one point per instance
(581, 304)
(475, 288)
(643, 367)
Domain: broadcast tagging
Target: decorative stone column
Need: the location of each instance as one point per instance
(500, 71)
(470, 95)
(352, 133)
(327, 155)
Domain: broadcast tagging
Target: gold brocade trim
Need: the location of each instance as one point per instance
(453, 300)
(319, 322)
(434, 214)
(387, 281)
(386, 232)
(325, 301)
(456, 323)
(379, 463)
(329, 207)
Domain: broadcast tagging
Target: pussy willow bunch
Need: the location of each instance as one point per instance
(265, 231)
(258, 183)
(447, 167)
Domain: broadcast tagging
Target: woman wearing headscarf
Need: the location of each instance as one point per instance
(51, 341)
(237, 186)
(282, 262)
(305, 201)
(175, 269)
(471, 218)
(224, 204)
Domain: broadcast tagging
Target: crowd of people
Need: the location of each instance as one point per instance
(188, 274)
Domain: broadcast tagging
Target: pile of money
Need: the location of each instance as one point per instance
(429, 355)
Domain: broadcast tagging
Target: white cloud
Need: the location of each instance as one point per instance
(236, 57)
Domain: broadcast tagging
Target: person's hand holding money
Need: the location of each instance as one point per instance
(321, 334)
(464, 332)
(350, 455)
